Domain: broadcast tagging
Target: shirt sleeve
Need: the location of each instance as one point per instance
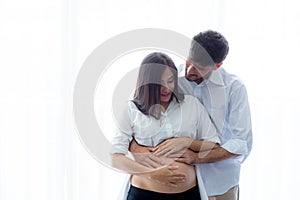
(123, 132)
(239, 122)
(206, 129)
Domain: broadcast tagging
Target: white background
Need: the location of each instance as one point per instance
(44, 43)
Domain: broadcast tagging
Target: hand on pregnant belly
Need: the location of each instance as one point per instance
(172, 146)
(169, 175)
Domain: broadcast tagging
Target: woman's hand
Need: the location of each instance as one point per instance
(144, 155)
(172, 146)
(168, 175)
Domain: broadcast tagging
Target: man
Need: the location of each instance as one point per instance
(225, 98)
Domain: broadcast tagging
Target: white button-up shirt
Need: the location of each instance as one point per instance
(185, 119)
(225, 98)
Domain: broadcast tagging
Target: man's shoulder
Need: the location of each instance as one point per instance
(230, 79)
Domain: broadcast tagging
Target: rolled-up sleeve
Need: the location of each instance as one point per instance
(236, 146)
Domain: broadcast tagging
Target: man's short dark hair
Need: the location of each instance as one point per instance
(208, 48)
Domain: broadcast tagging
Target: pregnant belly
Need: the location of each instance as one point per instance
(156, 186)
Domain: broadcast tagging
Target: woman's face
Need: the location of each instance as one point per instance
(167, 86)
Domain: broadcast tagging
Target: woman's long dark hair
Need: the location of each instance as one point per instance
(147, 92)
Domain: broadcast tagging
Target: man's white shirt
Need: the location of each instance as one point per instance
(225, 98)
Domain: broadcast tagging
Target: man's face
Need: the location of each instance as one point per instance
(196, 72)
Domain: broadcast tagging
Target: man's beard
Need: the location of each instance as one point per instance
(193, 78)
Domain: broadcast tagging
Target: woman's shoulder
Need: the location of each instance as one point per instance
(192, 102)
(131, 104)
(132, 108)
(190, 98)
(128, 108)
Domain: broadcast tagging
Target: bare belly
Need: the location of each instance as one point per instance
(154, 185)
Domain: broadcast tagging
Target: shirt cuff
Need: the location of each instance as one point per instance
(119, 149)
(236, 146)
(214, 139)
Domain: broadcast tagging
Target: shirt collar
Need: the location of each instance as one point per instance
(215, 78)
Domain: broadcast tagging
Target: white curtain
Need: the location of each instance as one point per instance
(44, 43)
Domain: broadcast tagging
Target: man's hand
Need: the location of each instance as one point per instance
(144, 155)
(188, 157)
(214, 155)
(172, 146)
(168, 175)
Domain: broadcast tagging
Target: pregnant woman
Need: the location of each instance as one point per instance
(158, 112)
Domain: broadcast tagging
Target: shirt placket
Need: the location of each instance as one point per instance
(166, 125)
